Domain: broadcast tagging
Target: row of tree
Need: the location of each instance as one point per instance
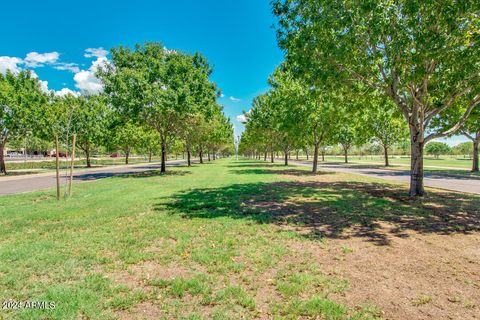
(153, 99)
(415, 64)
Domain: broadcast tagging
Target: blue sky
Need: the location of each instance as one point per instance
(236, 37)
(53, 38)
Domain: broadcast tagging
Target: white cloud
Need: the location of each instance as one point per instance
(241, 118)
(222, 95)
(85, 80)
(9, 63)
(72, 67)
(234, 99)
(44, 86)
(95, 53)
(66, 91)
(35, 59)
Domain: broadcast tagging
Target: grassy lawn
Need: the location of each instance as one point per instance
(50, 164)
(240, 239)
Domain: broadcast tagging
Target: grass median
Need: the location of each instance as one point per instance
(227, 240)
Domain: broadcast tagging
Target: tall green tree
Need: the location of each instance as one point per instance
(20, 97)
(423, 55)
(437, 148)
(91, 123)
(157, 86)
(383, 122)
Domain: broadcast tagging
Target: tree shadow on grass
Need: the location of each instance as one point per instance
(155, 173)
(256, 165)
(129, 174)
(316, 210)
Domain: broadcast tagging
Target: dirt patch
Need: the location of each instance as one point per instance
(416, 277)
(144, 310)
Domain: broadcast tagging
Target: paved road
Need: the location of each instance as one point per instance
(460, 183)
(27, 183)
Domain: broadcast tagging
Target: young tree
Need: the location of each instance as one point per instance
(55, 121)
(20, 96)
(423, 55)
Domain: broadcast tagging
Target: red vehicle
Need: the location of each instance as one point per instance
(60, 154)
(114, 155)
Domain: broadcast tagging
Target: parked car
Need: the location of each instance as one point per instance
(114, 155)
(60, 155)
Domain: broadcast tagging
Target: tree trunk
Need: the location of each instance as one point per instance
(200, 154)
(345, 154)
(385, 153)
(72, 165)
(214, 157)
(163, 167)
(3, 167)
(127, 153)
(189, 162)
(306, 152)
(265, 156)
(208, 154)
(296, 156)
(286, 157)
(416, 165)
(323, 155)
(57, 167)
(150, 156)
(315, 158)
(272, 157)
(87, 154)
(475, 154)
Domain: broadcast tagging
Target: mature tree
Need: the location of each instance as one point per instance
(157, 86)
(262, 124)
(91, 123)
(20, 95)
(321, 120)
(345, 136)
(462, 149)
(383, 122)
(437, 148)
(288, 99)
(423, 55)
(148, 142)
(126, 136)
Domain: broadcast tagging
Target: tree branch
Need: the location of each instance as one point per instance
(460, 122)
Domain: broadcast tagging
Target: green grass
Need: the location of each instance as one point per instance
(50, 164)
(199, 242)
